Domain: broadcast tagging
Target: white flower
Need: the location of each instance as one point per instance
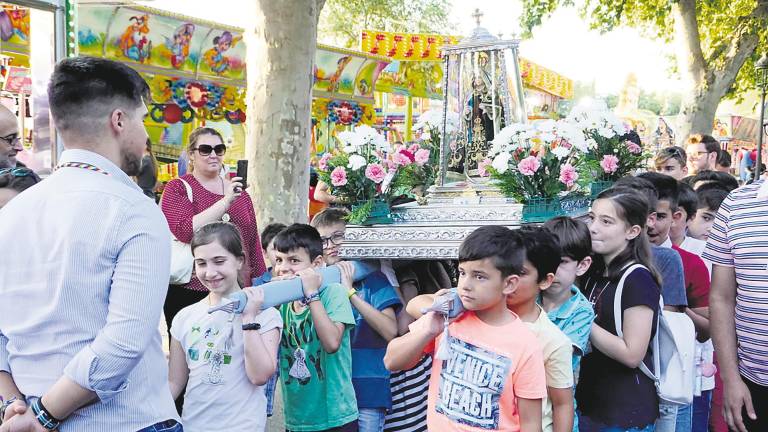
(561, 152)
(591, 144)
(606, 132)
(501, 162)
(356, 162)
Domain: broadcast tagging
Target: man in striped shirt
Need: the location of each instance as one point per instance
(738, 248)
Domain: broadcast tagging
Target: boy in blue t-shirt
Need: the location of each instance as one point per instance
(564, 303)
(374, 305)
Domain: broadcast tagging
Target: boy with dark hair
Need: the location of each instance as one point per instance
(374, 305)
(507, 397)
(688, 202)
(267, 235)
(675, 416)
(564, 303)
(724, 180)
(672, 162)
(710, 198)
(315, 357)
(723, 163)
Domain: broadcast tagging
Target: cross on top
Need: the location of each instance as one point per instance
(477, 16)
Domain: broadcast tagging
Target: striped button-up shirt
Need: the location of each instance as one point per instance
(83, 278)
(739, 239)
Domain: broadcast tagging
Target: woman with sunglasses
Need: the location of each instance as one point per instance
(214, 198)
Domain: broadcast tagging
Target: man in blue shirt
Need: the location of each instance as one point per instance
(82, 298)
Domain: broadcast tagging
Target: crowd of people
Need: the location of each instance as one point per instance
(555, 331)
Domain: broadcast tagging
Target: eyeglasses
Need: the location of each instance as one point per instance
(205, 149)
(335, 238)
(11, 139)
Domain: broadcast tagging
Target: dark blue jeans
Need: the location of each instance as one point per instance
(164, 426)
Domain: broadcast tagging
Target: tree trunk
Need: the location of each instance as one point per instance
(281, 51)
(706, 85)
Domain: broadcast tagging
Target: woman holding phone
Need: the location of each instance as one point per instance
(214, 198)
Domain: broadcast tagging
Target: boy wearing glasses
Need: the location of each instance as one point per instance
(672, 162)
(374, 304)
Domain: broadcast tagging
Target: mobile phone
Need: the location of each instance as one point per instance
(242, 172)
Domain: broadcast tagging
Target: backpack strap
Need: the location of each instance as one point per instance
(618, 318)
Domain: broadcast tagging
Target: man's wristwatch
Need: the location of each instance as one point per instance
(43, 416)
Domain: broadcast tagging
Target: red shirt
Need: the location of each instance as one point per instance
(179, 213)
(696, 279)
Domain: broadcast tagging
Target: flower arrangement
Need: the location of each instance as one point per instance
(367, 171)
(611, 156)
(530, 161)
(430, 125)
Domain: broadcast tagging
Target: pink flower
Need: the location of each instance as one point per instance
(634, 148)
(390, 164)
(482, 167)
(568, 175)
(375, 173)
(422, 156)
(414, 148)
(610, 164)
(323, 162)
(529, 166)
(403, 158)
(339, 176)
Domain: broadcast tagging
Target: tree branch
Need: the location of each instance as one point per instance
(742, 45)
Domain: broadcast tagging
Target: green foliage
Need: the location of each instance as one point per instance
(342, 20)
(720, 24)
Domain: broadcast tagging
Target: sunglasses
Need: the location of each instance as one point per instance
(17, 172)
(205, 149)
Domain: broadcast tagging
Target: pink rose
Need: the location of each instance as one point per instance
(375, 173)
(339, 176)
(529, 166)
(568, 175)
(404, 157)
(634, 148)
(482, 167)
(422, 156)
(390, 164)
(414, 148)
(610, 164)
(323, 162)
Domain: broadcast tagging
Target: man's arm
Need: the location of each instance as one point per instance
(405, 351)
(139, 285)
(530, 415)
(700, 318)
(328, 331)
(722, 303)
(562, 408)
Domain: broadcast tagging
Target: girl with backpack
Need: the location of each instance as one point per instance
(223, 359)
(613, 394)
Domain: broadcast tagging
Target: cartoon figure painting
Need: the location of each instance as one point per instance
(215, 58)
(14, 21)
(179, 45)
(134, 43)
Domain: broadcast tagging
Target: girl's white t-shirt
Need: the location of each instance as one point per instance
(219, 395)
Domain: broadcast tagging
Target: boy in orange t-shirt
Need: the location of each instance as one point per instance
(487, 382)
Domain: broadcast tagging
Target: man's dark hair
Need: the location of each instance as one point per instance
(666, 187)
(269, 233)
(541, 250)
(499, 243)
(572, 235)
(688, 200)
(299, 236)
(724, 180)
(330, 216)
(642, 186)
(711, 196)
(710, 143)
(632, 136)
(84, 88)
(724, 159)
(688, 180)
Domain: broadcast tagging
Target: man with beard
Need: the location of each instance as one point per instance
(10, 140)
(81, 297)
